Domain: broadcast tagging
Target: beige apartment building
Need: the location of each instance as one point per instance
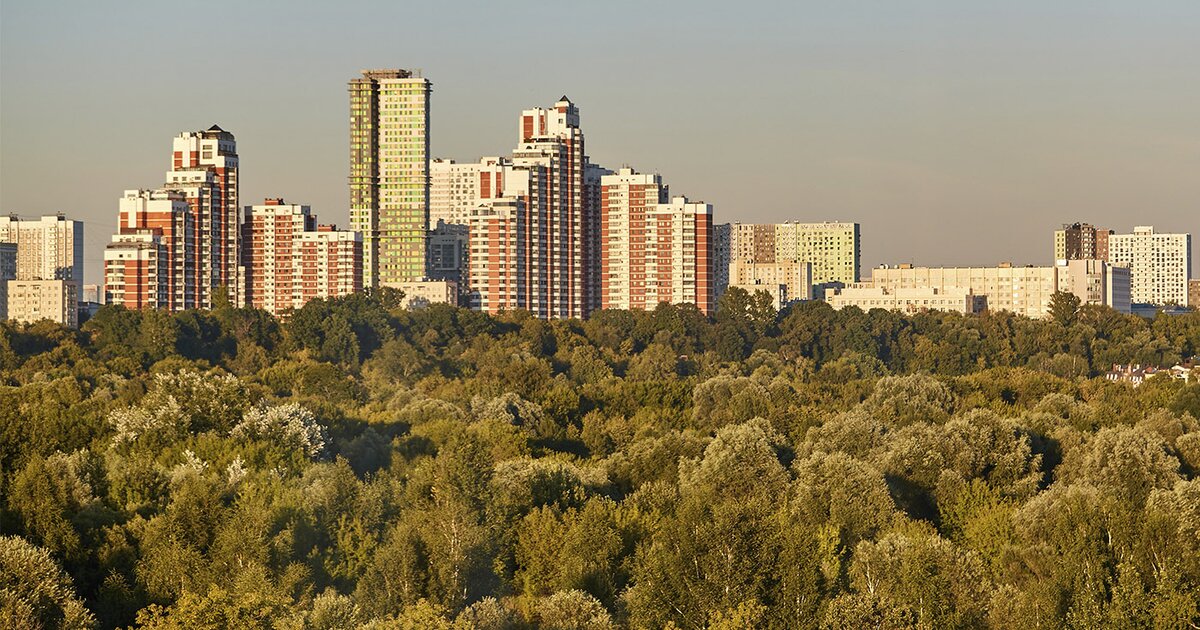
(794, 275)
(1022, 290)
(906, 300)
(35, 300)
(777, 292)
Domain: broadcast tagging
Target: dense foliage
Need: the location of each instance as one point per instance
(362, 465)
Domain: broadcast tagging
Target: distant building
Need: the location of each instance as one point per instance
(137, 270)
(289, 259)
(1022, 290)
(627, 199)
(389, 173)
(8, 271)
(48, 248)
(271, 253)
(907, 300)
(152, 261)
(1159, 264)
(1096, 282)
(35, 300)
(204, 169)
(1081, 241)
(777, 292)
(1134, 374)
(448, 251)
(1194, 293)
(833, 248)
(796, 276)
(422, 293)
(499, 273)
(721, 259)
(455, 189)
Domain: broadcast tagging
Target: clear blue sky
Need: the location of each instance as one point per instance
(956, 132)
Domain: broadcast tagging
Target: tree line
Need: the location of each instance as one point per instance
(362, 465)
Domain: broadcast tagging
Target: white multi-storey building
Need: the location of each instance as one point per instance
(1159, 264)
(1022, 290)
(48, 248)
(626, 200)
(455, 189)
(910, 300)
(34, 300)
(290, 260)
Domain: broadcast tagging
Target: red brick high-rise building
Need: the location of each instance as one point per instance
(289, 259)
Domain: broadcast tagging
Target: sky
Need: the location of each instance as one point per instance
(957, 132)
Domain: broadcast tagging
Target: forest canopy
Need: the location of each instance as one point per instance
(361, 465)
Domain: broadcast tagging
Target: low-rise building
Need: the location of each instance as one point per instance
(422, 293)
(795, 275)
(35, 300)
(1022, 290)
(777, 292)
(906, 300)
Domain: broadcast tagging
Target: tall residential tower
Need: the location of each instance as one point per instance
(389, 173)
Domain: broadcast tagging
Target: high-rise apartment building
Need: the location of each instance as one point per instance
(1081, 241)
(171, 217)
(204, 169)
(455, 189)
(390, 173)
(722, 258)
(8, 271)
(137, 268)
(1194, 293)
(653, 249)
(1159, 264)
(331, 263)
(679, 255)
(500, 267)
(290, 260)
(448, 251)
(564, 279)
(627, 199)
(48, 248)
(833, 248)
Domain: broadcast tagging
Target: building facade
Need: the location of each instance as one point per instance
(204, 169)
(34, 300)
(1194, 293)
(627, 199)
(1159, 264)
(169, 215)
(1022, 290)
(390, 173)
(906, 300)
(833, 248)
(455, 189)
(136, 270)
(1081, 241)
(290, 259)
(48, 248)
(794, 275)
(679, 256)
(563, 280)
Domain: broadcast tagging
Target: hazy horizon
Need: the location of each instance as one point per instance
(954, 134)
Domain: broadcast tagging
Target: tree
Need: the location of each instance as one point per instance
(34, 591)
(1064, 307)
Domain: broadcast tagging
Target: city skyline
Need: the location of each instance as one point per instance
(934, 132)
